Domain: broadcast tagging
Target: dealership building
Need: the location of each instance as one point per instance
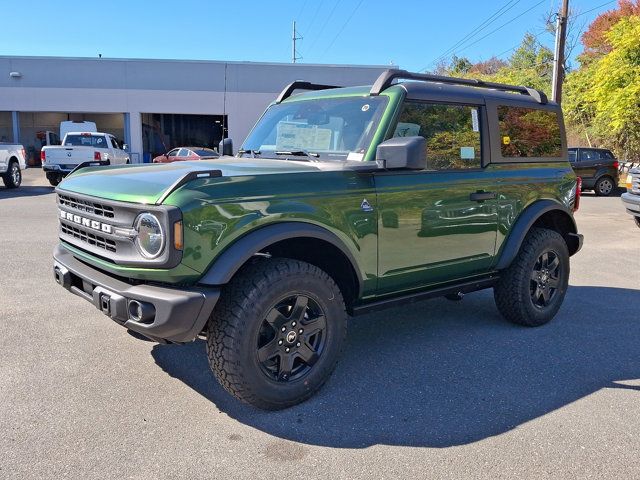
(152, 105)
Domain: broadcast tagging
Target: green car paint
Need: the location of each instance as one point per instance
(406, 230)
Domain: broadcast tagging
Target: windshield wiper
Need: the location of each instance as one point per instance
(298, 153)
(252, 152)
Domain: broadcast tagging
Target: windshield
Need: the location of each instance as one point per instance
(328, 128)
(85, 141)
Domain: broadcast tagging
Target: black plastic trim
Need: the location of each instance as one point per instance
(300, 85)
(523, 224)
(387, 77)
(230, 261)
(180, 314)
(406, 299)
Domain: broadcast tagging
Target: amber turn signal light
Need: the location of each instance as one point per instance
(177, 236)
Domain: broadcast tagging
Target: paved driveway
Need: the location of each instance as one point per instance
(434, 390)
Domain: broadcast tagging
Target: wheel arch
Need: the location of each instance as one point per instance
(297, 240)
(544, 213)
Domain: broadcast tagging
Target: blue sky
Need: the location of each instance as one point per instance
(409, 33)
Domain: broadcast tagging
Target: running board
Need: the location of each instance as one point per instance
(466, 287)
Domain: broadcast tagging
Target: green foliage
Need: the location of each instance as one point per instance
(603, 97)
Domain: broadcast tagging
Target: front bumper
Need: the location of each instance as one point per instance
(171, 315)
(631, 202)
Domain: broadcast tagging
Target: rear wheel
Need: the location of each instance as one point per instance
(531, 291)
(604, 186)
(54, 179)
(276, 334)
(13, 177)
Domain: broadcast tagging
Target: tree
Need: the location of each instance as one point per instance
(595, 39)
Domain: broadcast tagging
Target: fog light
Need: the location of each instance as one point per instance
(141, 312)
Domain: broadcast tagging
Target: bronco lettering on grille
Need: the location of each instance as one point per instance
(86, 222)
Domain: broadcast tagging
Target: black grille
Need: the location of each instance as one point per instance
(88, 237)
(86, 206)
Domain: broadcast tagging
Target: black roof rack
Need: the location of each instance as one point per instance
(386, 78)
(300, 85)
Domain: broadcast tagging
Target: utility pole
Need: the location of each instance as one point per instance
(558, 58)
(295, 38)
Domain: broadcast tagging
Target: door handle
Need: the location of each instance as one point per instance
(482, 196)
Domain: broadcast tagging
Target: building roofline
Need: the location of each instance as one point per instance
(185, 60)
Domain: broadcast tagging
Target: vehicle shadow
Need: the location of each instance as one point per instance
(440, 374)
(25, 191)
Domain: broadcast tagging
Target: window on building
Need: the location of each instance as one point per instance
(452, 133)
(529, 132)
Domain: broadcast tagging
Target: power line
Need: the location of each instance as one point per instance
(497, 14)
(353, 12)
(302, 9)
(313, 19)
(596, 8)
(501, 26)
(326, 21)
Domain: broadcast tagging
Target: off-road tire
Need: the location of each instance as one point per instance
(13, 177)
(54, 179)
(513, 292)
(238, 320)
(605, 186)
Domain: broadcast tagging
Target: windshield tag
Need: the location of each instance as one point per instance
(354, 156)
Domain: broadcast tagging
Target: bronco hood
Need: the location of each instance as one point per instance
(147, 183)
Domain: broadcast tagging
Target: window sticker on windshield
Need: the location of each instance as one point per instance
(365, 107)
(355, 156)
(467, 153)
(292, 135)
(474, 120)
(407, 130)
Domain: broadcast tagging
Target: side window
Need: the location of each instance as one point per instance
(452, 133)
(587, 155)
(573, 156)
(183, 153)
(173, 152)
(529, 132)
(114, 142)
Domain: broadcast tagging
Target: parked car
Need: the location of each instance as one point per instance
(267, 253)
(182, 154)
(631, 199)
(597, 167)
(12, 162)
(80, 147)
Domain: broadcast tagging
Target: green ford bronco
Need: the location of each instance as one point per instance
(341, 201)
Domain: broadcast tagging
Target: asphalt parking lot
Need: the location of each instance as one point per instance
(434, 390)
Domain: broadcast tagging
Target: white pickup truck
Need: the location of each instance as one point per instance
(12, 162)
(80, 147)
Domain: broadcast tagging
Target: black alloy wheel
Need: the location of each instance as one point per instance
(292, 338)
(545, 279)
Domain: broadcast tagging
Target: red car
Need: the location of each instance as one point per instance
(182, 154)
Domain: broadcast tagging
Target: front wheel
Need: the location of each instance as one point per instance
(277, 332)
(531, 290)
(13, 177)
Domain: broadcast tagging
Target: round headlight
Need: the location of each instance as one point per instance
(150, 239)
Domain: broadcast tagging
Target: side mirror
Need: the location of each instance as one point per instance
(125, 147)
(402, 152)
(225, 147)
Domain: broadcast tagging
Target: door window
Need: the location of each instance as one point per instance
(573, 156)
(452, 133)
(589, 155)
(173, 152)
(114, 142)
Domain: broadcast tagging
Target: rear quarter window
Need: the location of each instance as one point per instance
(529, 133)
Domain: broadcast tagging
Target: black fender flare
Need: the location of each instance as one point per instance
(524, 223)
(222, 270)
